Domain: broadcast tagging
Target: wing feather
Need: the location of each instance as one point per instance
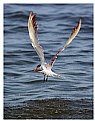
(32, 28)
(72, 36)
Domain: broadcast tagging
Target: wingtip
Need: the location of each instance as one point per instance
(80, 21)
(32, 18)
(32, 13)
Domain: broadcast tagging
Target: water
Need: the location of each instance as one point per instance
(75, 64)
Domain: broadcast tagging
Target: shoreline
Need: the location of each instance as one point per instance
(51, 109)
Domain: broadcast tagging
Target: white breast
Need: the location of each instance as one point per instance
(48, 72)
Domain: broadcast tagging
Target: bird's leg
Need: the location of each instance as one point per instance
(46, 78)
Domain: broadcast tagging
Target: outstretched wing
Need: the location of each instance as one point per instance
(32, 28)
(72, 36)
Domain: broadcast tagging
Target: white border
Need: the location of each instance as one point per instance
(1, 38)
(1, 61)
(48, 1)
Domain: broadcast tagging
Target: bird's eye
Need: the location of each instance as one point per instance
(39, 65)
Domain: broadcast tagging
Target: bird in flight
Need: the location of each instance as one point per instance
(43, 67)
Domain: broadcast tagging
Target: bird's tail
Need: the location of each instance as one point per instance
(58, 76)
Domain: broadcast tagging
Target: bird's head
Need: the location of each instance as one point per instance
(38, 68)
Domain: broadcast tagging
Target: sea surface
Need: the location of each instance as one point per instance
(75, 64)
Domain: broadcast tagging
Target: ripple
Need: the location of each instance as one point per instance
(55, 23)
(51, 109)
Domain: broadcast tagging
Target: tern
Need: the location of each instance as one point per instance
(43, 67)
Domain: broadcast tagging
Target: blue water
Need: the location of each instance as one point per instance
(75, 64)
